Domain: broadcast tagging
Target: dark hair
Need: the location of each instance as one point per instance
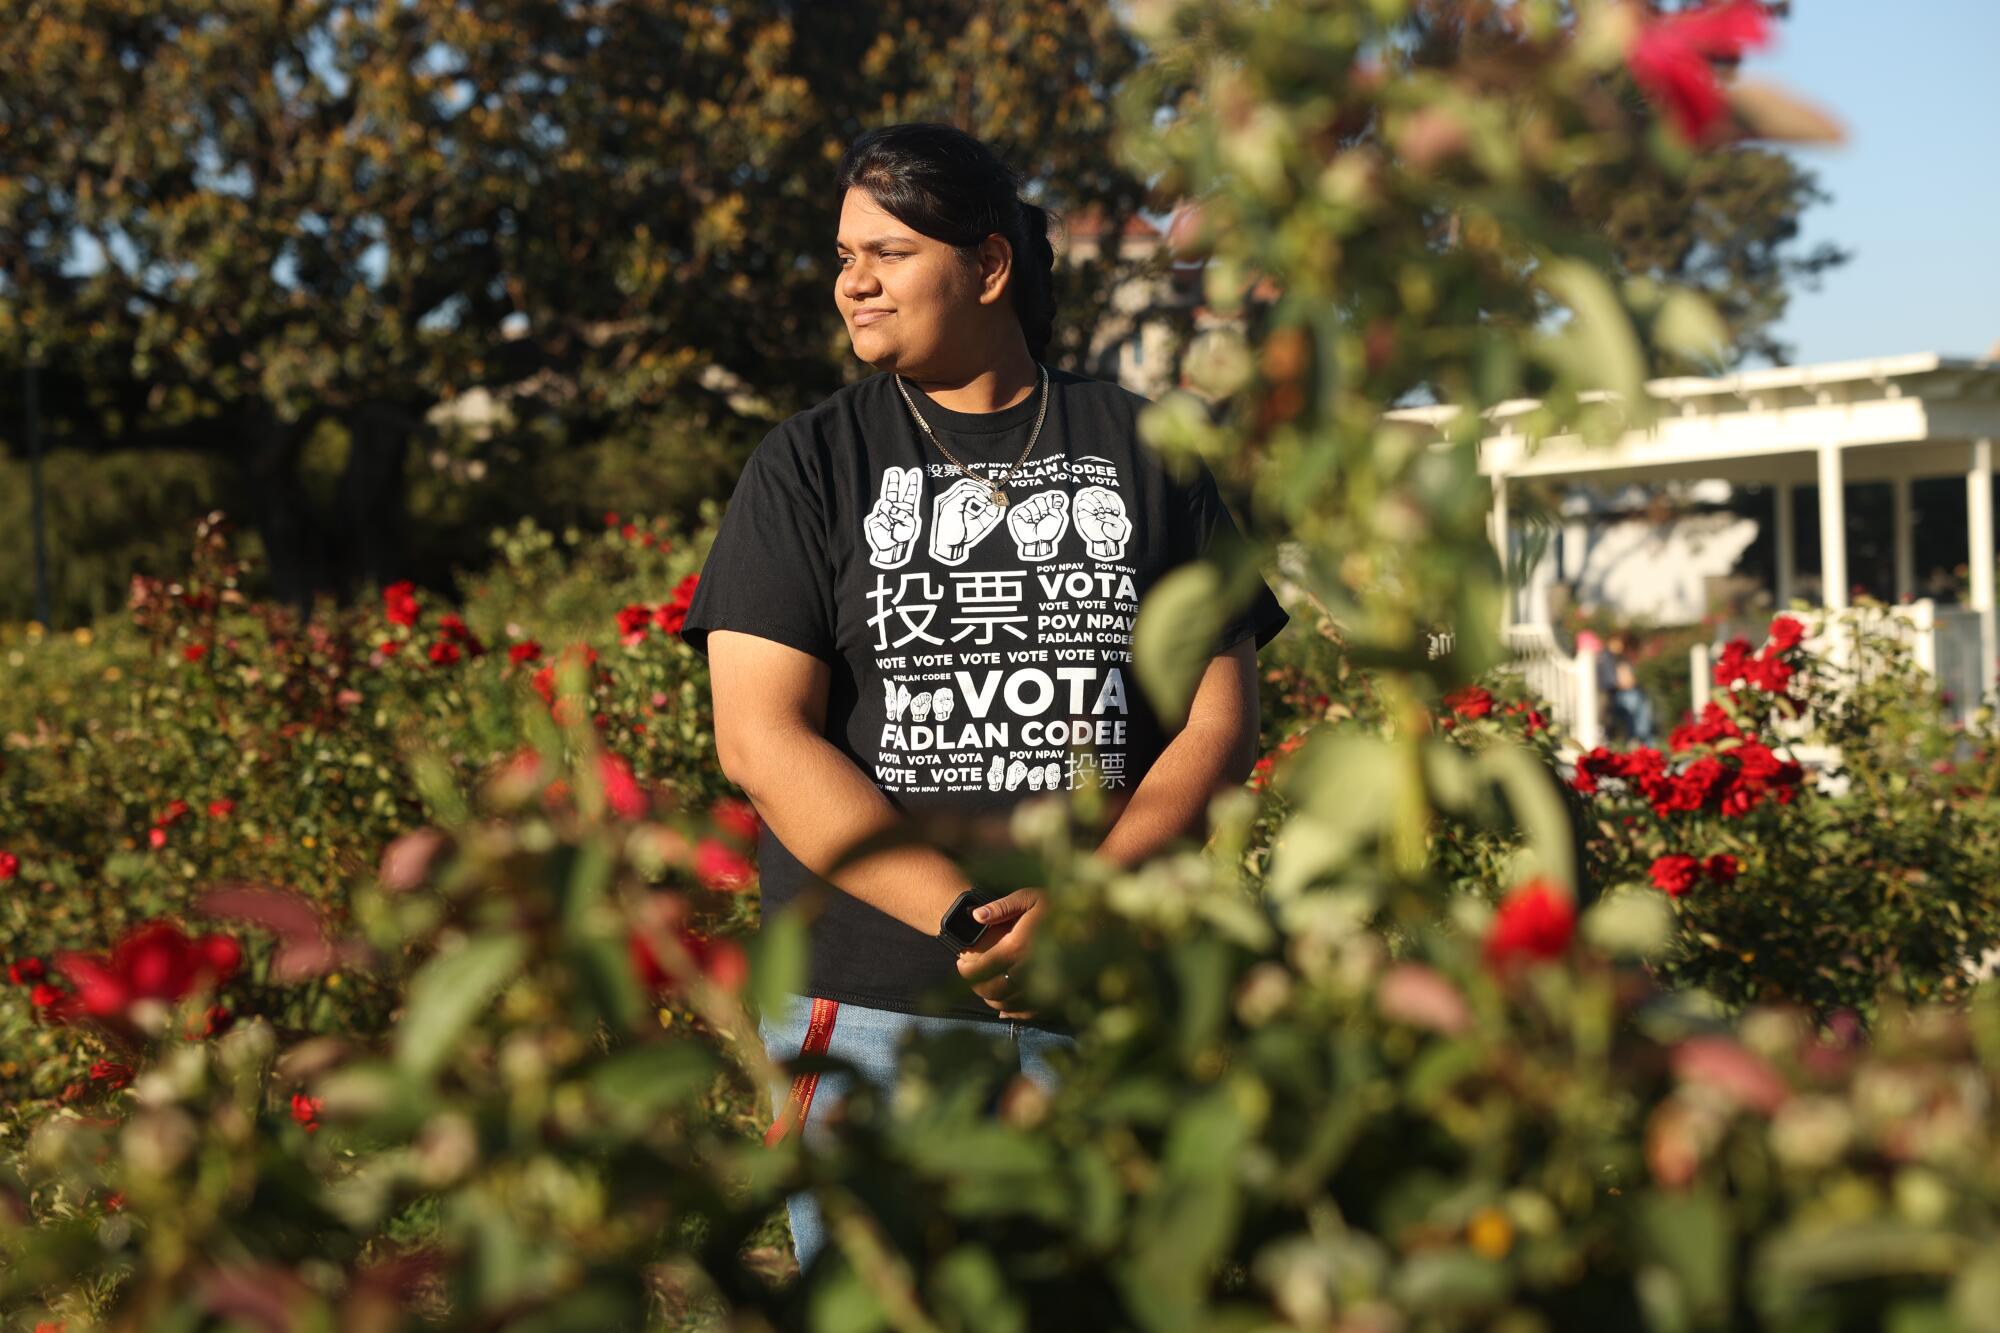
(956, 189)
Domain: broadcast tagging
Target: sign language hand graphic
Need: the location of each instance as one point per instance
(962, 515)
(893, 520)
(1100, 517)
(1037, 524)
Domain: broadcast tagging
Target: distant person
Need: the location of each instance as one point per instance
(1630, 715)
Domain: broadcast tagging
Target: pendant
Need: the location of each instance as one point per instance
(999, 498)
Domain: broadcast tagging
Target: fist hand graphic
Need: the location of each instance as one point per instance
(962, 515)
(1038, 522)
(892, 521)
(1100, 517)
(942, 702)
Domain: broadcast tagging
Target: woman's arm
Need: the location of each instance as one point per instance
(770, 709)
(1213, 752)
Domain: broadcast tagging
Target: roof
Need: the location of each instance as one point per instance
(1766, 424)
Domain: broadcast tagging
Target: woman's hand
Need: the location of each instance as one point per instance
(1002, 948)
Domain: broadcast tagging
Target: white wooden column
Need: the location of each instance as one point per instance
(1979, 540)
(1832, 529)
(1503, 545)
(1785, 537)
(1904, 532)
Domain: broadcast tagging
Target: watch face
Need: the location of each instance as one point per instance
(964, 928)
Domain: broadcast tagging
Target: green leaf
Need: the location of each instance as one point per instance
(1687, 324)
(638, 1084)
(1598, 346)
(1692, 1237)
(448, 993)
(1537, 805)
(1174, 636)
(1633, 923)
(778, 959)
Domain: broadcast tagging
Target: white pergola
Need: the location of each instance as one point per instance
(1893, 419)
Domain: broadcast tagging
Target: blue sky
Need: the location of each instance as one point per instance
(1916, 187)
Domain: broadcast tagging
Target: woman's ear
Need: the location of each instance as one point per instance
(996, 266)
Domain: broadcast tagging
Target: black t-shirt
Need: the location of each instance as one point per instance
(979, 654)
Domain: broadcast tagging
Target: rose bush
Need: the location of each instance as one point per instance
(1319, 1084)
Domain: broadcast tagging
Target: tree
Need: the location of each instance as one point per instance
(334, 214)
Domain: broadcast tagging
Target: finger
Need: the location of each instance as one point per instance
(892, 486)
(913, 486)
(980, 969)
(1006, 908)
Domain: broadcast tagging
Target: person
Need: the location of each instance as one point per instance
(1629, 711)
(920, 601)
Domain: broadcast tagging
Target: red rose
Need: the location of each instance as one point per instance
(1786, 633)
(611, 519)
(156, 837)
(399, 603)
(1470, 701)
(176, 811)
(1672, 57)
(221, 952)
(1674, 873)
(112, 1072)
(524, 652)
(1720, 867)
(444, 653)
(719, 866)
(672, 615)
(721, 961)
(1730, 662)
(735, 817)
(45, 996)
(1533, 923)
(306, 1110)
(221, 809)
(621, 790)
(26, 971)
(633, 622)
(10, 866)
(194, 652)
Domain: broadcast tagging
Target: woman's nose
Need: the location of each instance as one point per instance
(857, 282)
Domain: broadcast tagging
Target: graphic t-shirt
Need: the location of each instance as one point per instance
(979, 653)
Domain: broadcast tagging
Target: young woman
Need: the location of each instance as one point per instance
(920, 600)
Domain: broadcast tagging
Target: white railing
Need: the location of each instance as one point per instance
(1568, 684)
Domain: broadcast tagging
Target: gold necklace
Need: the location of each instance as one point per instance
(993, 487)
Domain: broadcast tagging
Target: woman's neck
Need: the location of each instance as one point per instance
(1000, 384)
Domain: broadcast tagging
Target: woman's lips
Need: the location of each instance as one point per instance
(862, 318)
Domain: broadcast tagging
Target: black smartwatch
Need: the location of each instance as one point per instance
(960, 929)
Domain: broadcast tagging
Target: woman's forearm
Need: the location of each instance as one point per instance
(1211, 753)
(1171, 801)
(819, 803)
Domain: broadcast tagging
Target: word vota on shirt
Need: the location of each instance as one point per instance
(1011, 674)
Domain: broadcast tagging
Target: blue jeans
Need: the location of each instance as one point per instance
(871, 1040)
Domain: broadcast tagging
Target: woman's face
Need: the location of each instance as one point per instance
(908, 299)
